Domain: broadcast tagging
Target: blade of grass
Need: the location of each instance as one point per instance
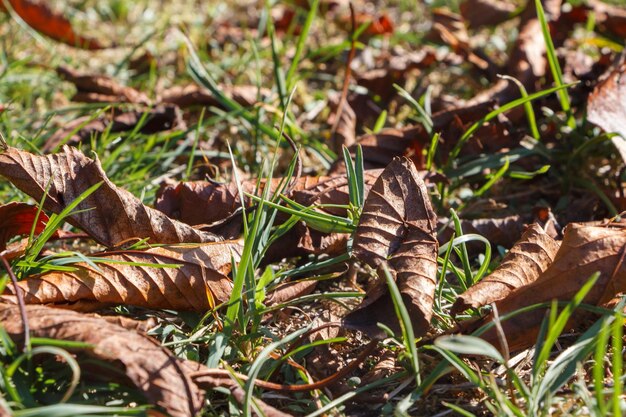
(555, 68)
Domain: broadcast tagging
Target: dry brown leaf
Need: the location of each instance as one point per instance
(527, 62)
(479, 13)
(110, 215)
(193, 95)
(156, 119)
(524, 263)
(398, 225)
(101, 89)
(503, 231)
(40, 17)
(151, 368)
(609, 17)
(394, 69)
(344, 133)
(606, 106)
(199, 283)
(585, 249)
(18, 219)
(288, 291)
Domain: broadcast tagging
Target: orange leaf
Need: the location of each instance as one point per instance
(17, 219)
(41, 18)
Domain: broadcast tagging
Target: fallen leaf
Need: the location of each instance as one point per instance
(343, 132)
(398, 225)
(100, 89)
(153, 369)
(110, 215)
(479, 13)
(610, 17)
(199, 283)
(585, 249)
(40, 17)
(194, 95)
(504, 231)
(17, 219)
(527, 62)
(157, 119)
(606, 106)
(394, 69)
(287, 291)
(522, 265)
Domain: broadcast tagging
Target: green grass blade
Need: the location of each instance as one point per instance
(405, 322)
(301, 44)
(555, 68)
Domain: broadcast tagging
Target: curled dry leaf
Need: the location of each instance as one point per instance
(266, 409)
(606, 106)
(194, 95)
(100, 89)
(527, 62)
(199, 282)
(41, 18)
(503, 231)
(524, 263)
(153, 120)
(110, 215)
(152, 369)
(398, 225)
(17, 219)
(290, 290)
(479, 13)
(343, 128)
(585, 249)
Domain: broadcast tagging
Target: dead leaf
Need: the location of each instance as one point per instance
(266, 410)
(479, 13)
(343, 132)
(157, 119)
(394, 69)
(522, 265)
(40, 17)
(606, 106)
(527, 62)
(110, 215)
(503, 231)
(100, 89)
(287, 291)
(18, 219)
(398, 225)
(611, 18)
(199, 284)
(152, 369)
(585, 249)
(194, 95)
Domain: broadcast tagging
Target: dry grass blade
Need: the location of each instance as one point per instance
(398, 223)
(110, 215)
(152, 369)
(524, 263)
(585, 250)
(200, 283)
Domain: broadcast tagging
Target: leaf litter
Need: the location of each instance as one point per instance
(420, 190)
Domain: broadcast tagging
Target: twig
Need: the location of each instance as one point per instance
(346, 78)
(212, 377)
(20, 302)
